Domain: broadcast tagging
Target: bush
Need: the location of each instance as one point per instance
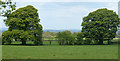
(6, 37)
(65, 38)
(87, 41)
(79, 39)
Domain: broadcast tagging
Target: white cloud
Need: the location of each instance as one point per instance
(109, 5)
(113, 6)
(70, 11)
(78, 10)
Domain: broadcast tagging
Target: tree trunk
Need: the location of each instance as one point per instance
(70, 43)
(100, 42)
(2, 43)
(109, 42)
(50, 42)
(15, 39)
(67, 42)
(60, 43)
(23, 42)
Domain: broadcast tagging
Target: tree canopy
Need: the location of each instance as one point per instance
(26, 21)
(100, 25)
(65, 38)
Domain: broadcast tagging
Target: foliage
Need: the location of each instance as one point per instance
(87, 41)
(100, 25)
(46, 34)
(6, 37)
(65, 38)
(79, 38)
(16, 35)
(7, 7)
(26, 21)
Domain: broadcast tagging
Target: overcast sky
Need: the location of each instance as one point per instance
(64, 15)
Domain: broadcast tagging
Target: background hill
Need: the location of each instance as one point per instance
(50, 30)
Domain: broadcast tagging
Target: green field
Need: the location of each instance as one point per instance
(0, 52)
(60, 52)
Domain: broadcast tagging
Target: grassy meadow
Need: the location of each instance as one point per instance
(60, 52)
(0, 52)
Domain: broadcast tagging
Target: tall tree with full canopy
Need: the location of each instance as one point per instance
(100, 25)
(26, 19)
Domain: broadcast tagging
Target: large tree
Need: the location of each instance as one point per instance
(100, 25)
(26, 19)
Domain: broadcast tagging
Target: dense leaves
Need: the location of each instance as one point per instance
(100, 25)
(65, 38)
(79, 38)
(25, 21)
(16, 35)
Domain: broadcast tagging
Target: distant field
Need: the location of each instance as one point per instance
(60, 52)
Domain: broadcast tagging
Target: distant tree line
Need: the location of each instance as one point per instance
(69, 38)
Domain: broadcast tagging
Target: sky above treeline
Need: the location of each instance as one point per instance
(64, 15)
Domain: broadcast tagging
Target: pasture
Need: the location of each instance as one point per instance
(60, 52)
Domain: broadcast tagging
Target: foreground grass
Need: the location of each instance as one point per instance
(0, 52)
(60, 52)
